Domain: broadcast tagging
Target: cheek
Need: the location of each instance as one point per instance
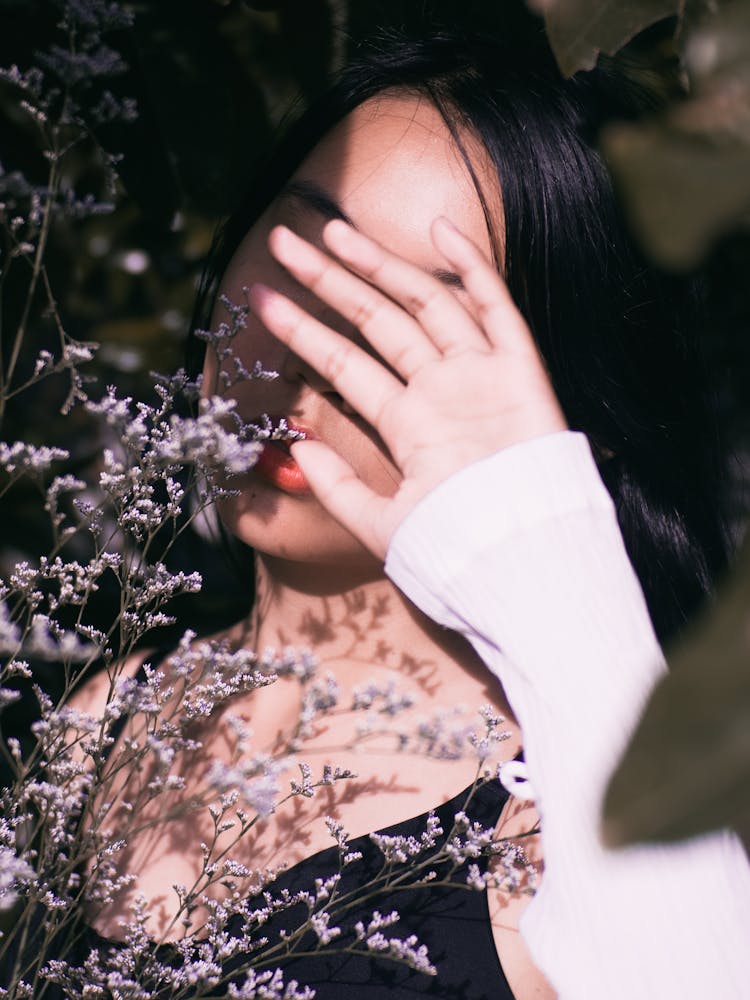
(371, 461)
(249, 346)
(247, 340)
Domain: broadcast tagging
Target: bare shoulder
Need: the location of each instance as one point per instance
(517, 821)
(92, 696)
(94, 693)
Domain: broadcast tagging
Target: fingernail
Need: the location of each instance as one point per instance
(349, 244)
(268, 302)
(338, 226)
(258, 295)
(341, 237)
(441, 222)
(281, 238)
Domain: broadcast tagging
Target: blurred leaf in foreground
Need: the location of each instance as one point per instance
(687, 769)
(579, 30)
(685, 176)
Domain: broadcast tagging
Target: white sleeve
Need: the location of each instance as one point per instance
(523, 555)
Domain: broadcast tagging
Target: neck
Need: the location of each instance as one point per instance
(355, 622)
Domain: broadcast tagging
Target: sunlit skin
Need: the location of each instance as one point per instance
(403, 380)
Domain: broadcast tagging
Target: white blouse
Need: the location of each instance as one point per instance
(522, 554)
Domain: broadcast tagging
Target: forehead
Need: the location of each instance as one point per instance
(393, 167)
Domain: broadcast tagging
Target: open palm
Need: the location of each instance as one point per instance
(447, 387)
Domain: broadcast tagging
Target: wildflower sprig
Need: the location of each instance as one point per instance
(88, 805)
(231, 366)
(91, 782)
(64, 98)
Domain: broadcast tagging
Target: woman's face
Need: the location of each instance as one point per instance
(390, 168)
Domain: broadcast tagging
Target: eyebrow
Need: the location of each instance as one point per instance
(321, 202)
(317, 199)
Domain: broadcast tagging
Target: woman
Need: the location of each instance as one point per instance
(437, 438)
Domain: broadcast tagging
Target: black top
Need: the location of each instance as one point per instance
(452, 920)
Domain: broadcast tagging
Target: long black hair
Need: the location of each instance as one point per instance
(620, 339)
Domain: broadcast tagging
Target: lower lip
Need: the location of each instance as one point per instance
(278, 467)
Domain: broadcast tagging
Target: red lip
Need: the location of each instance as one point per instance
(300, 429)
(277, 466)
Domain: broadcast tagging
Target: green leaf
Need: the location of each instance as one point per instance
(681, 192)
(579, 30)
(687, 769)
(685, 176)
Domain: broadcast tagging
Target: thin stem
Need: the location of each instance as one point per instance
(41, 247)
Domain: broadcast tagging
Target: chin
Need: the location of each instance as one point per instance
(292, 528)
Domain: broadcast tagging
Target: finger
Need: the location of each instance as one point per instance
(361, 380)
(342, 493)
(431, 303)
(396, 336)
(503, 323)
